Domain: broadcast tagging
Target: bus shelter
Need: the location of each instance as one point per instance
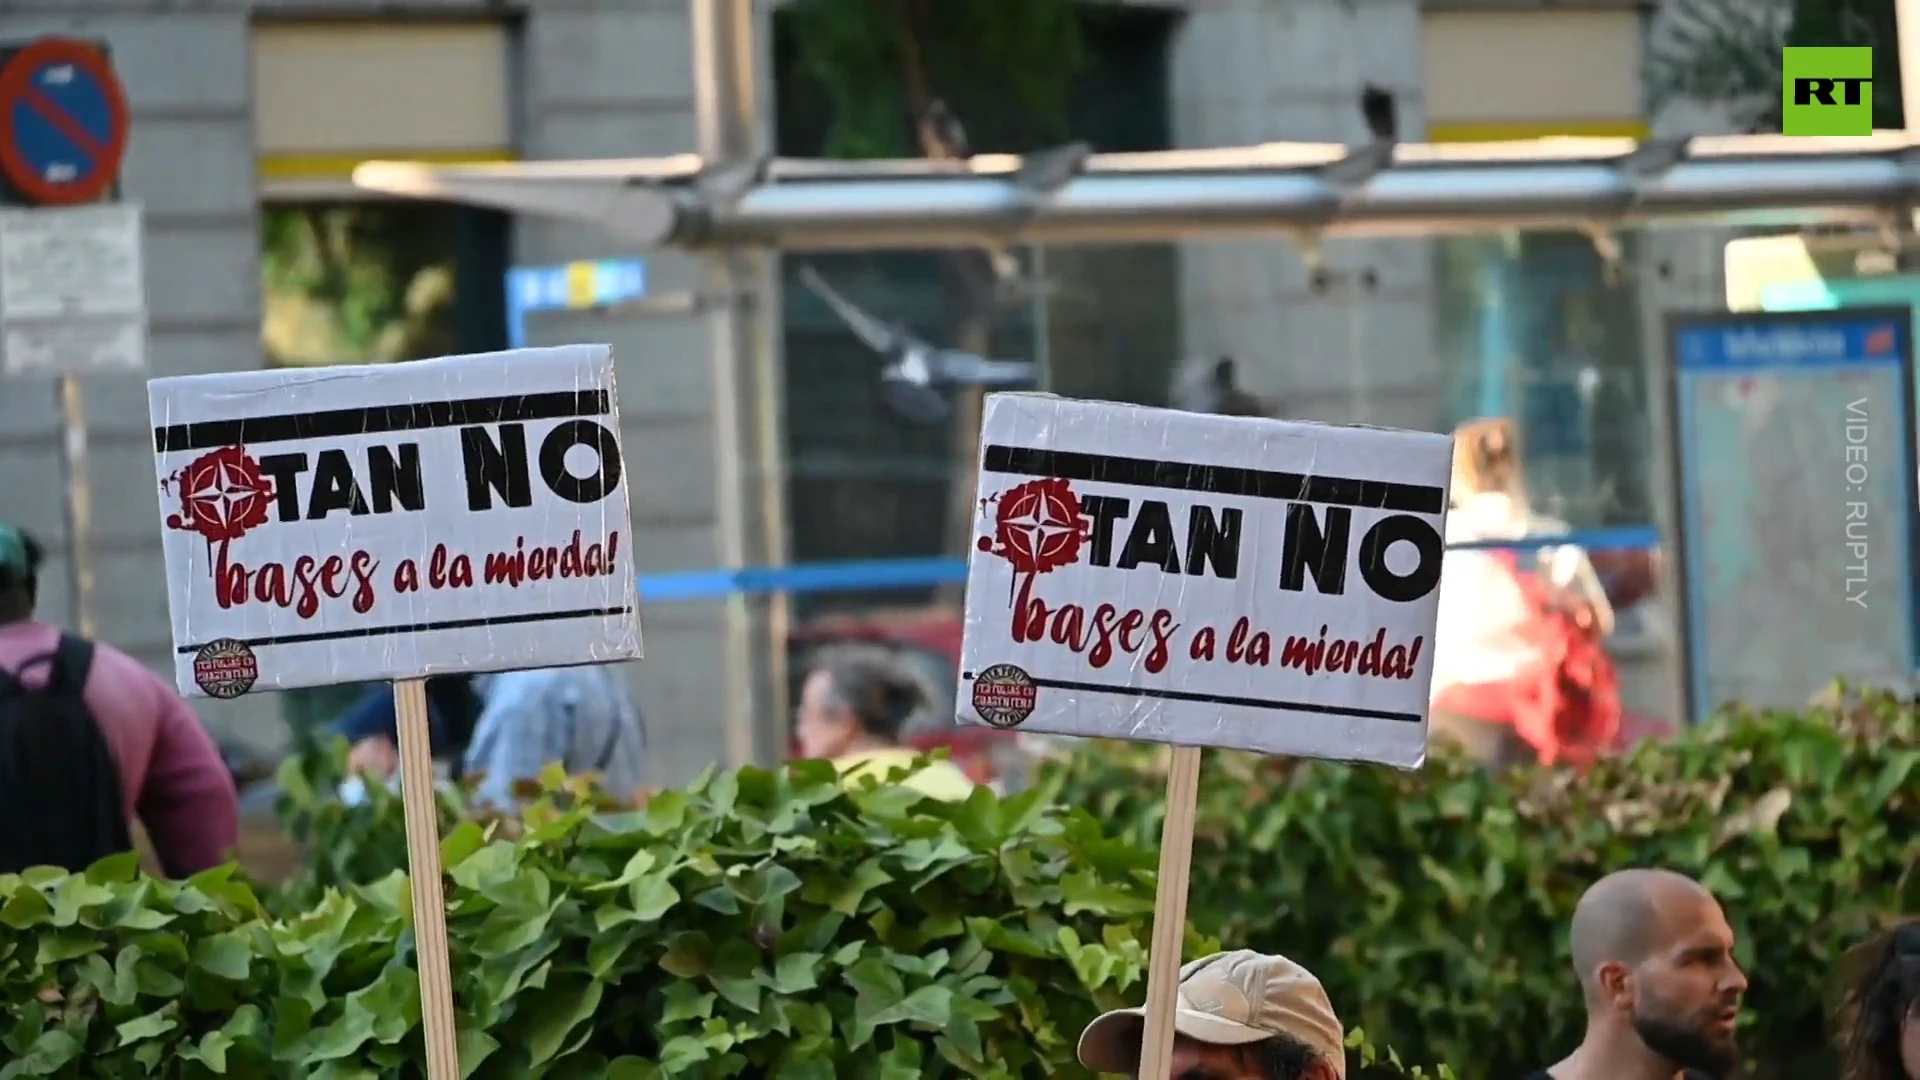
(740, 207)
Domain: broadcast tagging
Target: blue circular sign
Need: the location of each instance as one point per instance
(66, 129)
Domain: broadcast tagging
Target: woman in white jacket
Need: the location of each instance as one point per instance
(1489, 648)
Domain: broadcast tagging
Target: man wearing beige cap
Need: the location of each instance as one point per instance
(1240, 1016)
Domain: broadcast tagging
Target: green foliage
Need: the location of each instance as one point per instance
(757, 924)
(773, 925)
(1868, 23)
(1719, 51)
(357, 282)
(351, 845)
(1729, 51)
(868, 56)
(1434, 904)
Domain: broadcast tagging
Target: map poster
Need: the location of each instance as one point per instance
(1795, 478)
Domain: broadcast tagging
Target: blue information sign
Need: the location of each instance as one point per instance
(574, 286)
(1795, 482)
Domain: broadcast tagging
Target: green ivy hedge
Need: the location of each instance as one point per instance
(768, 924)
(1435, 904)
(758, 924)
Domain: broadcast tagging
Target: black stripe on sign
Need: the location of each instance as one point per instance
(1215, 479)
(381, 419)
(420, 628)
(1273, 704)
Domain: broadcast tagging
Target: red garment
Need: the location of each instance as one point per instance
(1567, 708)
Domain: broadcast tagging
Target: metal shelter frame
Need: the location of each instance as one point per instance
(1298, 191)
(739, 206)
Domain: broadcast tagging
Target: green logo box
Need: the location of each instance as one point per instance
(1826, 91)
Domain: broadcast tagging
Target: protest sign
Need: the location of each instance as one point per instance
(1202, 581)
(390, 522)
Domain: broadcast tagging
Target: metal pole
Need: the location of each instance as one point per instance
(79, 501)
(745, 401)
(769, 442)
(1042, 321)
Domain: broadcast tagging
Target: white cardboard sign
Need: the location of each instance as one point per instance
(392, 521)
(1204, 580)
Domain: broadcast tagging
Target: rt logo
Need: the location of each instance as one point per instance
(1826, 91)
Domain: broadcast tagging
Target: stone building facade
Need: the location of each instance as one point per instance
(240, 104)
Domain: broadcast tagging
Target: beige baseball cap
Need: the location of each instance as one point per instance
(1228, 999)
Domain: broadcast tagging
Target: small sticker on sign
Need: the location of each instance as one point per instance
(225, 668)
(1004, 695)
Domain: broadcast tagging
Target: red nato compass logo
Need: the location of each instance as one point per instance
(223, 495)
(1037, 529)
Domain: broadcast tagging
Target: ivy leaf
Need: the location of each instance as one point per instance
(554, 1015)
(633, 1068)
(228, 955)
(153, 1024)
(683, 1003)
(210, 1051)
(929, 1005)
(53, 1051)
(796, 973)
(652, 897)
(732, 974)
(66, 944)
(475, 1048)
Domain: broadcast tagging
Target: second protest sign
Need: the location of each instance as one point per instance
(1202, 581)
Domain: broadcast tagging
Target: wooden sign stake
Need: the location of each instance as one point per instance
(423, 870)
(1170, 913)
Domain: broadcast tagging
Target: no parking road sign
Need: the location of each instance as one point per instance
(63, 122)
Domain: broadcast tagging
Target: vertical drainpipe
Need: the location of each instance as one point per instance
(742, 315)
(1496, 332)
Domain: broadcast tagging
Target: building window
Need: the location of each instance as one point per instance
(1532, 327)
(356, 282)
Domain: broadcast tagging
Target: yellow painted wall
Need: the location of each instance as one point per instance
(1521, 74)
(328, 95)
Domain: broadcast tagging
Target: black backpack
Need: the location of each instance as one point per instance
(457, 705)
(60, 797)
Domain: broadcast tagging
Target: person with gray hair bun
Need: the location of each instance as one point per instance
(853, 710)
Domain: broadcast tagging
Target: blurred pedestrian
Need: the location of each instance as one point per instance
(1654, 955)
(581, 718)
(90, 739)
(370, 727)
(1239, 1016)
(1520, 670)
(853, 708)
(1881, 1013)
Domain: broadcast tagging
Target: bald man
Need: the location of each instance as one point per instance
(1655, 958)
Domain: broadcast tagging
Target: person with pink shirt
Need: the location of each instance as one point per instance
(90, 739)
